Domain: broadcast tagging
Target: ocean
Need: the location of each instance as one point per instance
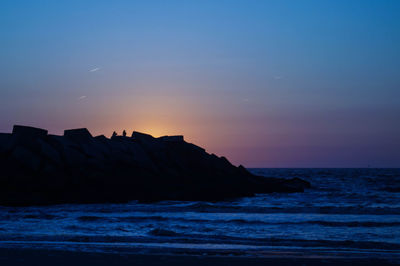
(346, 211)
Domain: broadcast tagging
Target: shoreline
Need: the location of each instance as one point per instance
(14, 256)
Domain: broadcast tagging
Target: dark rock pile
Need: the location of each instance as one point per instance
(37, 168)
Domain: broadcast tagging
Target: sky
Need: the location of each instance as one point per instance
(264, 83)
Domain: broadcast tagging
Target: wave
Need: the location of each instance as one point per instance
(91, 218)
(307, 210)
(354, 224)
(162, 232)
(164, 236)
(315, 222)
(41, 216)
(240, 221)
(37, 216)
(131, 219)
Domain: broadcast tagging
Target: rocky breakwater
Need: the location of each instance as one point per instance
(37, 168)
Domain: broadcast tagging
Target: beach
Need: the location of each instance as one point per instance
(15, 257)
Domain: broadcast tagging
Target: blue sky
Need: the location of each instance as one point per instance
(265, 83)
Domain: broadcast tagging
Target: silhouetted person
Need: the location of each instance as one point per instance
(114, 134)
(124, 133)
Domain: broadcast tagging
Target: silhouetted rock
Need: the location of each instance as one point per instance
(101, 138)
(38, 168)
(172, 138)
(4, 142)
(29, 132)
(26, 158)
(80, 134)
(141, 136)
(50, 153)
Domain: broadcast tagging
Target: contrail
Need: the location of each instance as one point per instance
(94, 69)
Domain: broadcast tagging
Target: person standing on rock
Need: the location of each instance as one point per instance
(114, 134)
(124, 133)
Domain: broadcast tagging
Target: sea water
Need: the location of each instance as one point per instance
(346, 211)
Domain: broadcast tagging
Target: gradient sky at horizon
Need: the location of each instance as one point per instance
(264, 83)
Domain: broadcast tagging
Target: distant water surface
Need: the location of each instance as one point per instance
(345, 211)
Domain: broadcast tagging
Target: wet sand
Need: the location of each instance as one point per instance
(60, 258)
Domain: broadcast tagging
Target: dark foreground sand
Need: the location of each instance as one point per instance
(59, 258)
